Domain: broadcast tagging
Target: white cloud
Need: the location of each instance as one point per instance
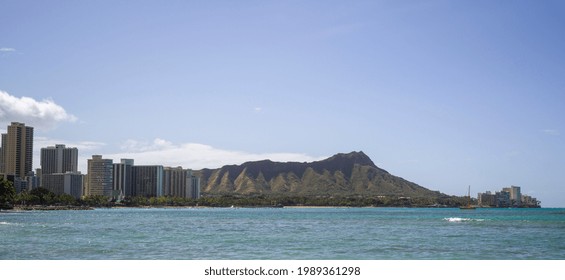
(553, 132)
(162, 152)
(42, 142)
(43, 114)
(135, 146)
(7, 50)
(194, 155)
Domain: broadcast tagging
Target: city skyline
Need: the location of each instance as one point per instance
(443, 94)
(122, 179)
(59, 174)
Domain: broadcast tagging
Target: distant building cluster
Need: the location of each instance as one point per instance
(507, 197)
(59, 172)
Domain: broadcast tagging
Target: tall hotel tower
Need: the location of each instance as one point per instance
(59, 159)
(123, 177)
(99, 178)
(59, 167)
(16, 157)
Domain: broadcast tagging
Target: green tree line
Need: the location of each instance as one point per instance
(336, 201)
(41, 196)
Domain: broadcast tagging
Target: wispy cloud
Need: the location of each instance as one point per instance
(42, 142)
(7, 52)
(194, 155)
(44, 114)
(552, 132)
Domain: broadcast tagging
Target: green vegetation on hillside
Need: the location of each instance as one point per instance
(342, 175)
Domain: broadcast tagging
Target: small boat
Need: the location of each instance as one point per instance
(468, 206)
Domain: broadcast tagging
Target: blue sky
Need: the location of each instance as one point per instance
(442, 93)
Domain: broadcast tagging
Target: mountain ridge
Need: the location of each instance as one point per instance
(343, 174)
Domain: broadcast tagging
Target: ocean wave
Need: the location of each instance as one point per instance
(459, 220)
(5, 223)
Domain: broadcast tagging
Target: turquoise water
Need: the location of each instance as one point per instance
(284, 233)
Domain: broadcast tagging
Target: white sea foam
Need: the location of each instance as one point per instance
(458, 220)
(5, 223)
(455, 219)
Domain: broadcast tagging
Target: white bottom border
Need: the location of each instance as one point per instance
(294, 269)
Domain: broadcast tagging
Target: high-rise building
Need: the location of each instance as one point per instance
(3, 143)
(487, 199)
(503, 199)
(60, 183)
(17, 150)
(59, 159)
(153, 181)
(123, 177)
(34, 179)
(99, 178)
(195, 187)
(59, 166)
(177, 182)
(148, 180)
(515, 195)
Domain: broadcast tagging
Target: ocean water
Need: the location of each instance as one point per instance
(284, 233)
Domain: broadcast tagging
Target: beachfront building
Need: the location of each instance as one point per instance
(503, 199)
(185, 184)
(69, 183)
(529, 201)
(34, 179)
(3, 142)
(59, 170)
(177, 182)
(100, 176)
(487, 199)
(131, 180)
(148, 180)
(123, 178)
(507, 197)
(16, 157)
(59, 159)
(195, 187)
(515, 195)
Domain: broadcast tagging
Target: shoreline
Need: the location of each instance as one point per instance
(82, 208)
(49, 208)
